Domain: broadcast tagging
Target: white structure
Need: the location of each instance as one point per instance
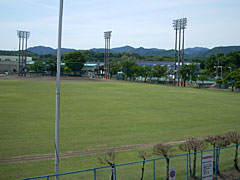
(9, 64)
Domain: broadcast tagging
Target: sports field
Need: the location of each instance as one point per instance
(97, 115)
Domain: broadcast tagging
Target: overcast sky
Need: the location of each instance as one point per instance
(138, 23)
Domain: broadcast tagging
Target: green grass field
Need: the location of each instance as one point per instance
(97, 115)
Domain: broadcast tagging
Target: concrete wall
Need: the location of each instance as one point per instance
(8, 66)
(13, 58)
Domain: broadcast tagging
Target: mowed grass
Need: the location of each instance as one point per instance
(98, 115)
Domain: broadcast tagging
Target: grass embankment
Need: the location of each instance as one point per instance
(98, 115)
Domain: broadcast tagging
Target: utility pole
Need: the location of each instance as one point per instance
(58, 89)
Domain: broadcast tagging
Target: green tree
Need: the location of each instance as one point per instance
(203, 78)
(188, 72)
(234, 77)
(139, 71)
(114, 68)
(159, 71)
(185, 74)
(51, 66)
(209, 65)
(37, 66)
(193, 72)
(148, 72)
(144, 71)
(128, 68)
(74, 61)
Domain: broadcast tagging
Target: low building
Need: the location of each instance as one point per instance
(169, 64)
(9, 64)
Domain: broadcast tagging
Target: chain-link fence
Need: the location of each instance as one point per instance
(208, 166)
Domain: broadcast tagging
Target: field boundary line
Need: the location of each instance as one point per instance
(79, 153)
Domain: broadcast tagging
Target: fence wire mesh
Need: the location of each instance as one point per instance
(156, 169)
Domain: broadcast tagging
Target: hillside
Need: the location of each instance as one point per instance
(196, 52)
(41, 50)
(220, 49)
(153, 51)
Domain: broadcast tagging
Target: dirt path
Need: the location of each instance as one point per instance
(53, 78)
(78, 153)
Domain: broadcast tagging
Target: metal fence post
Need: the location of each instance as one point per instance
(201, 163)
(187, 164)
(115, 174)
(95, 174)
(154, 177)
(216, 166)
(48, 178)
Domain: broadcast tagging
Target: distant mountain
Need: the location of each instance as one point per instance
(220, 49)
(41, 50)
(196, 52)
(153, 51)
(48, 50)
(115, 50)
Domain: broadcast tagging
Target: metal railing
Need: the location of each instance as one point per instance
(114, 170)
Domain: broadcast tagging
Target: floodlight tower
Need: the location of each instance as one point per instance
(176, 27)
(107, 37)
(183, 27)
(22, 56)
(27, 35)
(179, 48)
(19, 34)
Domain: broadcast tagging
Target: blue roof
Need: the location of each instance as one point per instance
(89, 64)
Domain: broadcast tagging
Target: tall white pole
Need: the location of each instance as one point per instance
(58, 89)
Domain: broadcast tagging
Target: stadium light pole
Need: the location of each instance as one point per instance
(179, 49)
(19, 52)
(175, 26)
(107, 37)
(22, 54)
(183, 27)
(27, 36)
(58, 89)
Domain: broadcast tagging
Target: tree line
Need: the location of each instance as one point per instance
(126, 63)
